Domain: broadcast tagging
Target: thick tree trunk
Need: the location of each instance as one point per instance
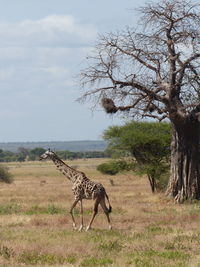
(184, 180)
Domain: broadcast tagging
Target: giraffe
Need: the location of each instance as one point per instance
(83, 188)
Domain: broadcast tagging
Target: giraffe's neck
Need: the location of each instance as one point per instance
(69, 172)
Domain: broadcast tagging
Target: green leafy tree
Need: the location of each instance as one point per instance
(147, 142)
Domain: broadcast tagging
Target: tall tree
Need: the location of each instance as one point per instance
(153, 71)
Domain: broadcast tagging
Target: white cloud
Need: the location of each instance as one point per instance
(53, 30)
(44, 53)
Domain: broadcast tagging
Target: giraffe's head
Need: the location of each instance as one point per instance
(47, 155)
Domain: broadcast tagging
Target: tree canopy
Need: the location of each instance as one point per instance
(146, 141)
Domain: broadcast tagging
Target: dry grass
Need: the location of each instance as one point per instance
(149, 230)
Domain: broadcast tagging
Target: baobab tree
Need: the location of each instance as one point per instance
(153, 72)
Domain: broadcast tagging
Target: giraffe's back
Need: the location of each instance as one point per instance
(87, 189)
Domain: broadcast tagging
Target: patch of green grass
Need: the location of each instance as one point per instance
(169, 245)
(34, 258)
(194, 209)
(92, 261)
(71, 259)
(61, 234)
(182, 242)
(141, 262)
(194, 238)
(50, 209)
(109, 233)
(101, 236)
(76, 211)
(35, 210)
(159, 230)
(111, 246)
(14, 208)
(177, 244)
(11, 208)
(138, 235)
(150, 258)
(171, 254)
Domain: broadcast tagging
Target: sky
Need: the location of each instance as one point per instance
(43, 47)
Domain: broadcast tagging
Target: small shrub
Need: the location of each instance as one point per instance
(5, 175)
(113, 167)
(107, 168)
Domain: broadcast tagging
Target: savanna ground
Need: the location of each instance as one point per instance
(148, 230)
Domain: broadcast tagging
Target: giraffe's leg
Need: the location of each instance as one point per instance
(105, 209)
(95, 211)
(81, 208)
(71, 212)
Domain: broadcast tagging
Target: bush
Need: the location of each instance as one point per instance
(113, 167)
(5, 176)
(107, 168)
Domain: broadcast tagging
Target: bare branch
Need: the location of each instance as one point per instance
(156, 117)
(151, 72)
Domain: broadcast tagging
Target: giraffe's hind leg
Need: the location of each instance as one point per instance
(106, 211)
(95, 211)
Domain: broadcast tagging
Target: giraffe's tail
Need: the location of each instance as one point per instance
(110, 208)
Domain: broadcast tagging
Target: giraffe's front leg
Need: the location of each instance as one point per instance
(71, 212)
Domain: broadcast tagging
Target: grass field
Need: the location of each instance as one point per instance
(148, 230)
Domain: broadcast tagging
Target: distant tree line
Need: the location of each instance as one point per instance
(33, 154)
